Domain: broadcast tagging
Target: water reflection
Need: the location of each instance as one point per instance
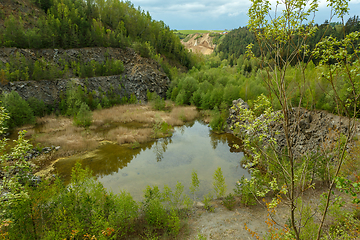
(165, 161)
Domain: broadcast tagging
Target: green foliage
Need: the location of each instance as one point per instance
(20, 112)
(158, 204)
(84, 117)
(206, 200)
(144, 49)
(219, 117)
(219, 183)
(161, 129)
(16, 177)
(245, 189)
(155, 212)
(20, 69)
(195, 183)
(132, 99)
(156, 101)
(229, 201)
(38, 106)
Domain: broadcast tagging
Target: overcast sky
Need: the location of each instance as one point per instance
(213, 14)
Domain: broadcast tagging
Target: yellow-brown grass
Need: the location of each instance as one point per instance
(180, 115)
(124, 135)
(60, 131)
(125, 113)
(72, 139)
(53, 124)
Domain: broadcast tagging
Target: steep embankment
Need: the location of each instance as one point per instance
(201, 43)
(140, 74)
(309, 131)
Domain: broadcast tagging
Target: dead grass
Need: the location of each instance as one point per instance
(180, 115)
(124, 135)
(60, 131)
(125, 113)
(71, 140)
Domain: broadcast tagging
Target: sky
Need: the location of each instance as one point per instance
(215, 14)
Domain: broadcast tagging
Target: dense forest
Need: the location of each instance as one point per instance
(94, 23)
(235, 42)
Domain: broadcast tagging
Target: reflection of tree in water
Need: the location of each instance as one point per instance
(104, 161)
(225, 138)
(117, 157)
(160, 148)
(181, 129)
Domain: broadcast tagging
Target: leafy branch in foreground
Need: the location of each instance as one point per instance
(275, 163)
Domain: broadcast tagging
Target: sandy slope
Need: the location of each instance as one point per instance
(203, 44)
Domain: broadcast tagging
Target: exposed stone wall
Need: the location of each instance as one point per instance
(309, 130)
(140, 74)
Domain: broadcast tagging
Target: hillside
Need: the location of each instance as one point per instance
(26, 9)
(76, 23)
(130, 74)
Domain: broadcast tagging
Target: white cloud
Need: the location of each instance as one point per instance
(228, 13)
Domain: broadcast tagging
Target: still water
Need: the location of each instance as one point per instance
(165, 161)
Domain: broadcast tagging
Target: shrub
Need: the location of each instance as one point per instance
(84, 116)
(218, 121)
(219, 183)
(19, 110)
(158, 103)
(144, 49)
(38, 106)
(246, 190)
(123, 214)
(229, 201)
(207, 198)
(155, 213)
(195, 183)
(133, 99)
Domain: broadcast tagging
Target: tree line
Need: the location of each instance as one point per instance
(234, 44)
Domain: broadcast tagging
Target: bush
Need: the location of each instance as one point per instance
(219, 183)
(144, 49)
(156, 101)
(38, 106)
(84, 116)
(218, 121)
(229, 201)
(19, 110)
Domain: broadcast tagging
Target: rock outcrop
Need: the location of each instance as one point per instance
(140, 75)
(310, 131)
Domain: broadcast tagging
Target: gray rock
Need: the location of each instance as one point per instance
(309, 131)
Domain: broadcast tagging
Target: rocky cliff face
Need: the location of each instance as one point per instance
(310, 131)
(140, 74)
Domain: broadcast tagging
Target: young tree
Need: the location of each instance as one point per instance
(284, 33)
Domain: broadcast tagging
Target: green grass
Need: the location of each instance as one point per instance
(198, 31)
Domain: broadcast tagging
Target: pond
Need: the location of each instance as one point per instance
(164, 161)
